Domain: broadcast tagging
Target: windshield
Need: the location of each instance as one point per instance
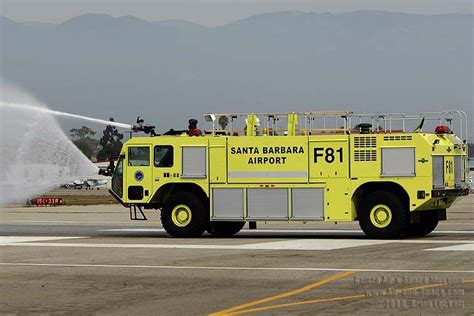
(117, 178)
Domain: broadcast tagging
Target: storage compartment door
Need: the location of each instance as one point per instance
(398, 162)
(267, 204)
(227, 204)
(307, 203)
(194, 162)
(438, 172)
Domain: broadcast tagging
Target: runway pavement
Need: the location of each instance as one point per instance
(93, 260)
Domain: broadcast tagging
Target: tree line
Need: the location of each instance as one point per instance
(105, 148)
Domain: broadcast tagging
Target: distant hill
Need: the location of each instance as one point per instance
(169, 71)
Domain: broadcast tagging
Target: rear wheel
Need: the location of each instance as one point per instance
(184, 215)
(382, 215)
(428, 222)
(225, 229)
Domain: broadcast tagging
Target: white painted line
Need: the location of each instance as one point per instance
(430, 241)
(244, 231)
(32, 222)
(133, 230)
(281, 231)
(151, 246)
(297, 244)
(311, 244)
(464, 247)
(9, 240)
(305, 244)
(341, 231)
(67, 265)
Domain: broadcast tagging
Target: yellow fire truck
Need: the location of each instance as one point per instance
(297, 167)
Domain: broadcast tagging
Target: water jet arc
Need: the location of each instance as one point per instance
(64, 114)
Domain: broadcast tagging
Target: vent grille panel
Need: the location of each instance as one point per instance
(365, 155)
(397, 137)
(365, 142)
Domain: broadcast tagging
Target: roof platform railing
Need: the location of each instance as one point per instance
(401, 122)
(277, 123)
(331, 122)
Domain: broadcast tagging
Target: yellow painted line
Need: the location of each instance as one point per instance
(283, 295)
(332, 299)
(322, 300)
(427, 286)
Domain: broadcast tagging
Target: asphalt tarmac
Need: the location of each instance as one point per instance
(94, 260)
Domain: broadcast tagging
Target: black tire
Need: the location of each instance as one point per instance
(428, 222)
(225, 229)
(378, 203)
(193, 225)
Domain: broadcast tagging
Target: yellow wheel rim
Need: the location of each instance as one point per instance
(181, 215)
(381, 216)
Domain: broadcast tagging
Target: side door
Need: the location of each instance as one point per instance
(329, 164)
(329, 158)
(165, 167)
(139, 173)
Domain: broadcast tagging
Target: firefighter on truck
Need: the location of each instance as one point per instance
(392, 181)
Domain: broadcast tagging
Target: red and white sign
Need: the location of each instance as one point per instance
(49, 201)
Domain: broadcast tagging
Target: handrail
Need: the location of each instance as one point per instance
(381, 122)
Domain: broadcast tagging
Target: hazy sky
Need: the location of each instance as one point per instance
(211, 12)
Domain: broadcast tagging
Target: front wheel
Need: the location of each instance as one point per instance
(184, 215)
(428, 222)
(382, 215)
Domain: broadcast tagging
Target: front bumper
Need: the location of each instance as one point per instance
(449, 192)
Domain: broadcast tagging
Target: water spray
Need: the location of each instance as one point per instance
(35, 154)
(64, 114)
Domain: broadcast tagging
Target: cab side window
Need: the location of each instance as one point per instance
(138, 156)
(164, 156)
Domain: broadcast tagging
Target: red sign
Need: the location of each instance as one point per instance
(49, 201)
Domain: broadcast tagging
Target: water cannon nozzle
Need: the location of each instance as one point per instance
(147, 129)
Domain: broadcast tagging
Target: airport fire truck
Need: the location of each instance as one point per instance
(392, 173)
